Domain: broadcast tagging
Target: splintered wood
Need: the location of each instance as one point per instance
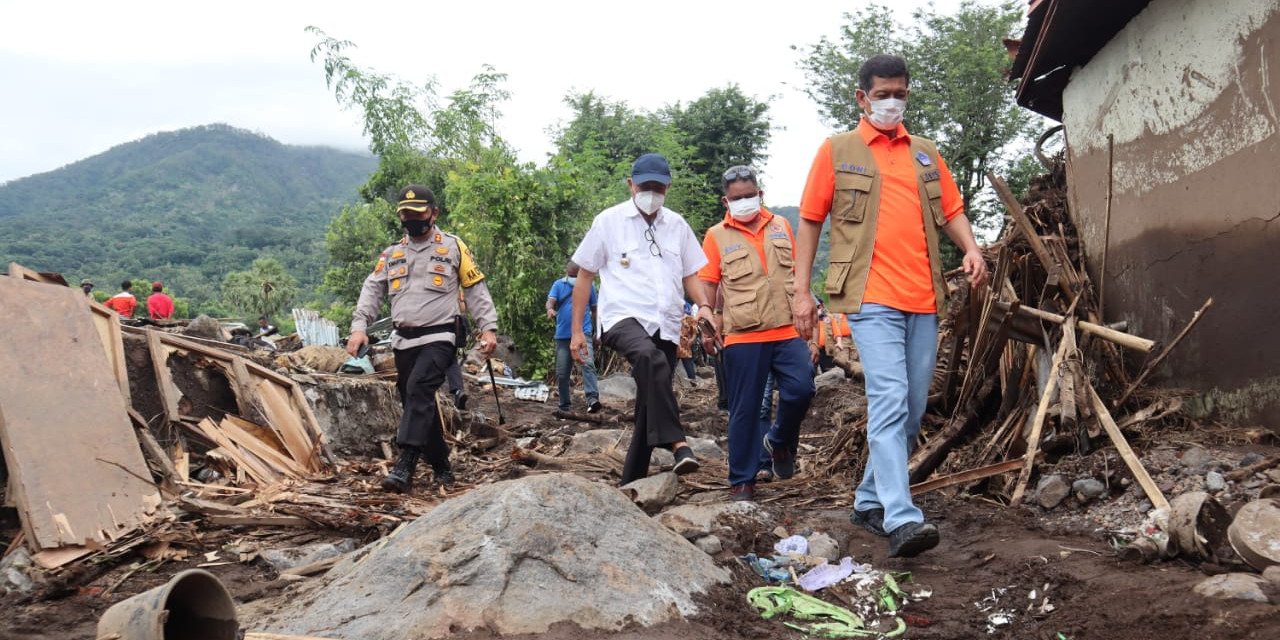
(1025, 365)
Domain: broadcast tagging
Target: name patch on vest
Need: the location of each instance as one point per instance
(730, 248)
(845, 166)
(778, 234)
(930, 175)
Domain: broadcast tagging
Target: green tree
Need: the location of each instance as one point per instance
(266, 289)
(959, 94)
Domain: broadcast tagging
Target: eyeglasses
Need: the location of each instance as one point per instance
(654, 249)
(739, 173)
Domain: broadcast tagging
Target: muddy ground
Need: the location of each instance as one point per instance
(991, 558)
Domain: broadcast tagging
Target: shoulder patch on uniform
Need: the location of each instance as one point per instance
(931, 175)
(923, 158)
(468, 273)
(382, 264)
(397, 254)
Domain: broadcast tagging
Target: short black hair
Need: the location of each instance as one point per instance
(735, 173)
(882, 66)
(126, 285)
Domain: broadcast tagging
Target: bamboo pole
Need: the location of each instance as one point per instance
(1155, 362)
(1033, 441)
(1126, 340)
(1130, 458)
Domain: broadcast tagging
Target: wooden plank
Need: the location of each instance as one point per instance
(1121, 338)
(965, 476)
(1130, 458)
(22, 273)
(78, 472)
(169, 393)
(156, 455)
(1028, 231)
(1033, 441)
(261, 521)
(282, 417)
(243, 385)
(322, 458)
(107, 323)
(244, 461)
(262, 450)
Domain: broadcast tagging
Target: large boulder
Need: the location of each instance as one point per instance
(511, 557)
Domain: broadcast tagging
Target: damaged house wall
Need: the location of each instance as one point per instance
(1189, 92)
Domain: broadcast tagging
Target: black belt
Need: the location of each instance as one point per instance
(409, 333)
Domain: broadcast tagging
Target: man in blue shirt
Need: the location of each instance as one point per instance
(560, 308)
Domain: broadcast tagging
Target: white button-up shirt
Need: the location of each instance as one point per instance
(635, 282)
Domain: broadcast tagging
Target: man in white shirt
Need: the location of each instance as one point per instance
(648, 261)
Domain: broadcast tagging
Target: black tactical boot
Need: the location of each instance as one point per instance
(444, 475)
(400, 479)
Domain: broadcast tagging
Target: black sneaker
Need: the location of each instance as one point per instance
(784, 463)
(912, 539)
(595, 407)
(685, 462)
(743, 492)
(445, 477)
(872, 520)
(460, 399)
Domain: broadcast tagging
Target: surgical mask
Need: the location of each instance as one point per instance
(744, 209)
(649, 201)
(416, 228)
(887, 113)
(571, 280)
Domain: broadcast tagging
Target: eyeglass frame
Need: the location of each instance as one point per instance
(655, 249)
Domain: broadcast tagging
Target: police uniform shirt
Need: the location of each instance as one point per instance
(423, 279)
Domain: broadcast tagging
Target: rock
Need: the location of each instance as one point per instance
(706, 449)
(291, 557)
(14, 572)
(709, 545)
(512, 557)
(1195, 459)
(1051, 491)
(205, 327)
(1233, 586)
(1144, 506)
(830, 378)
(355, 413)
(653, 493)
(1214, 482)
(618, 387)
(595, 441)
(1250, 459)
(1272, 574)
(1088, 489)
(822, 545)
(661, 458)
(692, 521)
(1269, 491)
(1273, 474)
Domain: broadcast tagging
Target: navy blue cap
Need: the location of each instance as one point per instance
(651, 167)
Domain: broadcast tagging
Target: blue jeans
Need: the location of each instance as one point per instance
(746, 366)
(898, 352)
(564, 368)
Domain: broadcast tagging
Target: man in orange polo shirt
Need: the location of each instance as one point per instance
(890, 192)
(749, 258)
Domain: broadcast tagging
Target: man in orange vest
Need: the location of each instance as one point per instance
(749, 260)
(123, 303)
(889, 191)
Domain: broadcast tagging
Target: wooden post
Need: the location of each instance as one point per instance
(1117, 438)
(1155, 362)
(1033, 441)
(1024, 225)
(1106, 225)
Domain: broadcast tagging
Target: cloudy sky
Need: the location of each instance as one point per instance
(81, 77)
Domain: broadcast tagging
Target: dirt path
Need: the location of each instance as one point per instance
(991, 559)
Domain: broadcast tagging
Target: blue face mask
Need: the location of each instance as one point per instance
(570, 279)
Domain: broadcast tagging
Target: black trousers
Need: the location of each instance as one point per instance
(653, 362)
(419, 372)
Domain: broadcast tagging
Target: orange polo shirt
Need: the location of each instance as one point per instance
(767, 223)
(900, 277)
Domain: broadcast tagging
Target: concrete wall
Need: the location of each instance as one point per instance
(1190, 90)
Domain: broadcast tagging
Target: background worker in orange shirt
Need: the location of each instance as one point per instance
(890, 191)
(123, 303)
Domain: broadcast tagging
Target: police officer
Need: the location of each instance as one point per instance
(423, 273)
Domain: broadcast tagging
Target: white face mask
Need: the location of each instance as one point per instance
(744, 209)
(887, 113)
(649, 201)
(571, 279)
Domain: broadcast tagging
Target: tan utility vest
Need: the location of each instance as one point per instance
(855, 210)
(753, 299)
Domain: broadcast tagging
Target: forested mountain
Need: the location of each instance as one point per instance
(185, 207)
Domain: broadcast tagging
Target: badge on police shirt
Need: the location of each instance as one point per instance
(922, 158)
